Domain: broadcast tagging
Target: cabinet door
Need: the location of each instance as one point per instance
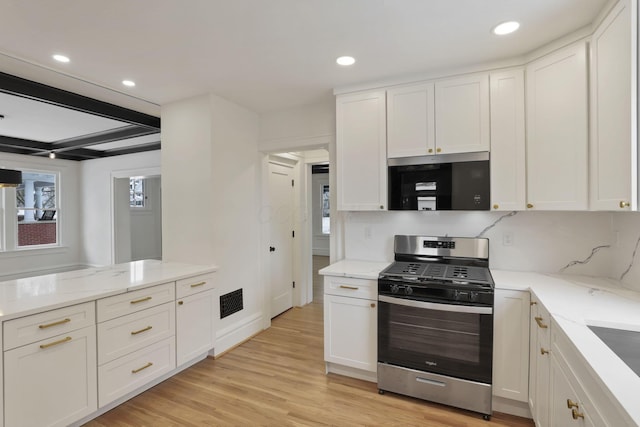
(410, 121)
(533, 359)
(508, 164)
(52, 382)
(462, 114)
(350, 332)
(557, 139)
(613, 113)
(511, 345)
(542, 355)
(361, 151)
(562, 396)
(195, 331)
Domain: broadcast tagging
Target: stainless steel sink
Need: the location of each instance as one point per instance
(625, 344)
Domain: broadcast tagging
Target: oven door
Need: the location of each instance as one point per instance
(447, 339)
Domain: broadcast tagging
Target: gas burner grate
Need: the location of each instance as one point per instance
(466, 273)
(411, 268)
(435, 270)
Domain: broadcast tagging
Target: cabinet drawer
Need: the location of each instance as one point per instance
(130, 302)
(29, 329)
(350, 287)
(193, 285)
(126, 374)
(123, 335)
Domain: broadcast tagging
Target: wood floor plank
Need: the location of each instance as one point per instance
(278, 379)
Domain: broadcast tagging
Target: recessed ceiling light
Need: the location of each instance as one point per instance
(61, 58)
(129, 83)
(52, 155)
(346, 60)
(506, 28)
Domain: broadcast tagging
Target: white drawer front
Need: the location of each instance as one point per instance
(350, 287)
(124, 375)
(130, 302)
(29, 329)
(123, 335)
(193, 285)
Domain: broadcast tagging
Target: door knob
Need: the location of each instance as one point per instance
(272, 249)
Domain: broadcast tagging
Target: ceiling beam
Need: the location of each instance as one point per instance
(103, 137)
(132, 150)
(41, 92)
(9, 141)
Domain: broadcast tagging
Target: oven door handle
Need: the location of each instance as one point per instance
(436, 306)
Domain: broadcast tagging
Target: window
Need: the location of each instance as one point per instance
(36, 210)
(136, 192)
(326, 227)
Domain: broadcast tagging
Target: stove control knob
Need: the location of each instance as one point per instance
(395, 289)
(473, 296)
(408, 290)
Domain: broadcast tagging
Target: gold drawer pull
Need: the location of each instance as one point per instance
(624, 204)
(140, 300)
(539, 322)
(195, 285)
(575, 414)
(373, 305)
(148, 328)
(51, 344)
(533, 303)
(180, 302)
(353, 288)
(543, 351)
(148, 365)
(572, 404)
(59, 322)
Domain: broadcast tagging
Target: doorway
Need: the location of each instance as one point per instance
(137, 217)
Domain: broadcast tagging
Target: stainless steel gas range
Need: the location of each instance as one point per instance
(435, 322)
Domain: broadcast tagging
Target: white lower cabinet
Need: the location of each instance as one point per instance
(51, 382)
(511, 345)
(540, 363)
(194, 325)
(350, 330)
(566, 409)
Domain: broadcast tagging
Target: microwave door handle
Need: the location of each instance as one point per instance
(436, 306)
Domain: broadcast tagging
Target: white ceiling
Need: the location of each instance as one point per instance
(272, 54)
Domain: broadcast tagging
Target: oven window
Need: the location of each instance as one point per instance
(438, 333)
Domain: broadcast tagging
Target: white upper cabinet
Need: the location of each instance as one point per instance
(557, 130)
(508, 161)
(613, 171)
(411, 121)
(361, 151)
(462, 114)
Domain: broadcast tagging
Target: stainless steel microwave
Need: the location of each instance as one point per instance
(440, 182)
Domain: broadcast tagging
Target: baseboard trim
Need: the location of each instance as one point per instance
(347, 371)
(237, 334)
(511, 407)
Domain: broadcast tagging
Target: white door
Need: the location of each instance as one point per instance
(281, 238)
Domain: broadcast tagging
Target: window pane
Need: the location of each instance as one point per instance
(325, 210)
(136, 192)
(37, 212)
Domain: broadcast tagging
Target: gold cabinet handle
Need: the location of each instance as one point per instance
(381, 206)
(59, 322)
(148, 365)
(430, 150)
(539, 322)
(533, 303)
(148, 328)
(51, 344)
(195, 285)
(575, 414)
(572, 404)
(438, 150)
(373, 305)
(624, 204)
(543, 351)
(496, 206)
(140, 300)
(353, 288)
(529, 206)
(180, 302)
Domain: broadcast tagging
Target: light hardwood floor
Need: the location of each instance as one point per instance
(278, 379)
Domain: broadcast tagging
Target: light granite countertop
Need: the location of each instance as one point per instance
(22, 297)
(574, 302)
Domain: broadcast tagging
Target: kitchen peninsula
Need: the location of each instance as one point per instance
(81, 342)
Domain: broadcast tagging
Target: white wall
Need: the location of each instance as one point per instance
(42, 261)
(121, 221)
(320, 241)
(307, 126)
(97, 204)
(211, 181)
